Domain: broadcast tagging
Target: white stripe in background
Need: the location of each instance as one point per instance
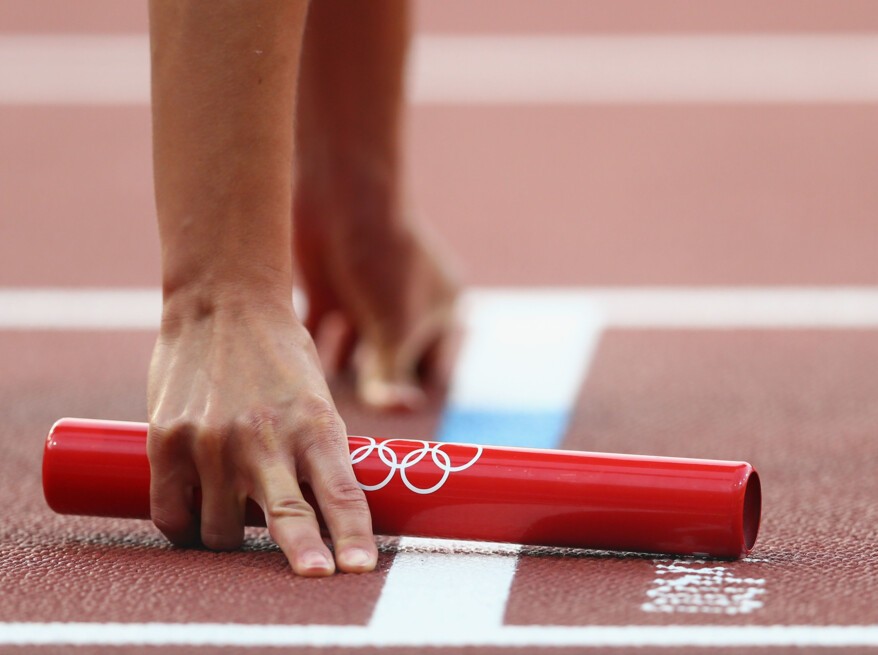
(622, 307)
(524, 350)
(74, 69)
(520, 367)
(653, 69)
(85, 309)
(763, 68)
(249, 635)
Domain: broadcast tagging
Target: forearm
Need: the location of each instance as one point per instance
(223, 84)
(351, 104)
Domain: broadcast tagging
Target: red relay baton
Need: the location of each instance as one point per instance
(462, 491)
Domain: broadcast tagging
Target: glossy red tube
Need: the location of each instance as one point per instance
(458, 491)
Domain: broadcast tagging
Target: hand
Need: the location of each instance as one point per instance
(238, 407)
(394, 293)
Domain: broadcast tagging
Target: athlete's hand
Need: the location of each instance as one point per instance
(393, 291)
(238, 407)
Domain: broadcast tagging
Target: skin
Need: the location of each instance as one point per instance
(238, 403)
(362, 259)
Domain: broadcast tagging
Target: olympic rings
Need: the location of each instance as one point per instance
(389, 457)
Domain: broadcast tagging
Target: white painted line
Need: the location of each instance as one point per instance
(623, 307)
(524, 352)
(646, 69)
(249, 635)
(428, 592)
(87, 309)
(74, 70)
(764, 68)
(839, 307)
(83, 309)
(741, 307)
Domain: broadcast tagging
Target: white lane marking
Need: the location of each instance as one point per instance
(249, 635)
(638, 69)
(74, 69)
(701, 587)
(434, 588)
(85, 309)
(524, 352)
(764, 68)
(742, 307)
(782, 307)
(632, 307)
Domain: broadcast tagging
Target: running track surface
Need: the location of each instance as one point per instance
(642, 194)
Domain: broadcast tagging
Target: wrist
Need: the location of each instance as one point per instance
(199, 301)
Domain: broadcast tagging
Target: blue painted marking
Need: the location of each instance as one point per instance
(535, 429)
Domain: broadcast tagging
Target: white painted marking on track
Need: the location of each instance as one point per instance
(719, 68)
(74, 69)
(740, 68)
(85, 309)
(739, 307)
(250, 635)
(524, 352)
(624, 307)
(429, 592)
(702, 587)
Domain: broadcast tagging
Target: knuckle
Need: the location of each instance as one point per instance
(344, 495)
(258, 420)
(261, 428)
(212, 438)
(170, 436)
(290, 508)
(321, 414)
(323, 428)
(209, 445)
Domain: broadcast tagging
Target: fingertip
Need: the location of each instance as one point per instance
(223, 539)
(182, 531)
(355, 559)
(171, 511)
(313, 564)
(386, 395)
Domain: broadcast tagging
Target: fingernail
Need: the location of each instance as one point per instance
(315, 560)
(357, 558)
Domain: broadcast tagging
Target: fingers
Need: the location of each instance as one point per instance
(292, 523)
(347, 345)
(389, 376)
(386, 382)
(343, 506)
(222, 502)
(171, 487)
(184, 457)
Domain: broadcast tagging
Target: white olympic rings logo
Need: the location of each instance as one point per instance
(389, 457)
